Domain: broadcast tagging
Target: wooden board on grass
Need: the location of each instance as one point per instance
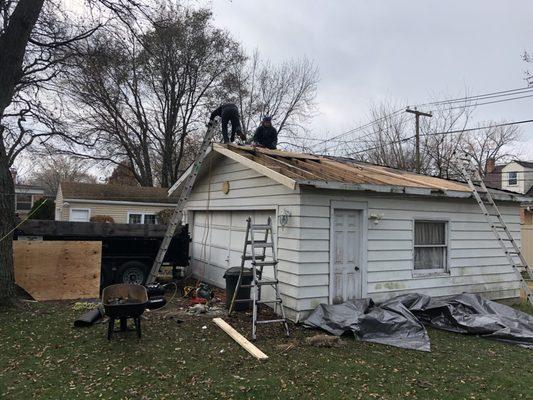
(58, 270)
(241, 340)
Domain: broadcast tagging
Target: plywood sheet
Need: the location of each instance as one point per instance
(58, 270)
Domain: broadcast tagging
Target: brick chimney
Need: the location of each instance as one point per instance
(489, 165)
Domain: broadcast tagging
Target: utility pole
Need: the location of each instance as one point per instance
(417, 136)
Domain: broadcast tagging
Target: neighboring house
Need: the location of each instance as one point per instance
(346, 230)
(126, 204)
(516, 176)
(25, 198)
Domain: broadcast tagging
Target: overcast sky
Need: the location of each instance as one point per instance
(407, 51)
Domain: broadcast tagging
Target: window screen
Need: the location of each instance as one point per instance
(430, 245)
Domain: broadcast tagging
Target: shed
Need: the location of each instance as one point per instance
(346, 229)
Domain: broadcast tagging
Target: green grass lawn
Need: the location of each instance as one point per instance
(42, 356)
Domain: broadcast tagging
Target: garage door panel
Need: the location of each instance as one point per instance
(225, 241)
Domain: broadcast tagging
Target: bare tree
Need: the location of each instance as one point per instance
(140, 95)
(384, 142)
(495, 142)
(35, 41)
(50, 171)
(286, 92)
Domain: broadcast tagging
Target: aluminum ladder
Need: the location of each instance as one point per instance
(177, 215)
(497, 225)
(259, 261)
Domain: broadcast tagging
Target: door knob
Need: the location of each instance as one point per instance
(356, 268)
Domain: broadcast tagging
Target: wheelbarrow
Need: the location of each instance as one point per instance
(123, 301)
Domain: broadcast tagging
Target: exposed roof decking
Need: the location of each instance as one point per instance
(302, 168)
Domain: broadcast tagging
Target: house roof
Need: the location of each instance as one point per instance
(526, 164)
(291, 169)
(96, 191)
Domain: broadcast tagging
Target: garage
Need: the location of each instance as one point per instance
(218, 240)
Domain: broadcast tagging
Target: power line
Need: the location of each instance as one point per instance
(443, 133)
(485, 96)
(502, 93)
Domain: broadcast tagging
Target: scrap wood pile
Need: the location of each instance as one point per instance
(400, 321)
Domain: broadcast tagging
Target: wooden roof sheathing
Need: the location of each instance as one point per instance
(309, 169)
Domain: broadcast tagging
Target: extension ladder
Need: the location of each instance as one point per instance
(177, 215)
(259, 262)
(498, 226)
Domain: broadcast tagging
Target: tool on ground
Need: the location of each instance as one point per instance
(497, 224)
(177, 215)
(259, 261)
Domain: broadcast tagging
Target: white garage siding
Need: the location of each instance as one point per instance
(476, 261)
(250, 194)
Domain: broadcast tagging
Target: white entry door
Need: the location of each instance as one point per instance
(346, 269)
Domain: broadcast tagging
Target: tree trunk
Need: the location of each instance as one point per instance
(13, 44)
(7, 222)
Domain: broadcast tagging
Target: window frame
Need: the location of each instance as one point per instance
(142, 214)
(432, 271)
(79, 209)
(17, 202)
(515, 179)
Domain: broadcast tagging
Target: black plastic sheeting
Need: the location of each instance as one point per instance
(400, 321)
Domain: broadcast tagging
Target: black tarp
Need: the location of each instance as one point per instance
(399, 321)
(390, 323)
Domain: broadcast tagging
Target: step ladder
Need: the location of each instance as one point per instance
(259, 262)
(177, 215)
(498, 226)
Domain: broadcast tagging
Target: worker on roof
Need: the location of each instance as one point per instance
(228, 113)
(266, 135)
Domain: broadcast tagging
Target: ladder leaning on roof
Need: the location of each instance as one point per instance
(177, 215)
(498, 226)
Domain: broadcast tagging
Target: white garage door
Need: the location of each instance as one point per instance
(218, 241)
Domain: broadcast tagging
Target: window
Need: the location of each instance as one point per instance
(149, 219)
(24, 202)
(79, 214)
(430, 246)
(141, 218)
(512, 178)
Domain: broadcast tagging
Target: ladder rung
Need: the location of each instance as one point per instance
(246, 286)
(264, 263)
(268, 301)
(262, 245)
(243, 300)
(252, 258)
(260, 227)
(261, 283)
(270, 321)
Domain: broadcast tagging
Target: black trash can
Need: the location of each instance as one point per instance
(231, 276)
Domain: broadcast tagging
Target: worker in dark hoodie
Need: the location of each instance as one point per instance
(266, 135)
(228, 113)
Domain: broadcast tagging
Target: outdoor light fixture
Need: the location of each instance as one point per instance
(283, 217)
(375, 217)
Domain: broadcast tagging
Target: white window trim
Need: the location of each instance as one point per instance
(142, 214)
(515, 178)
(79, 209)
(432, 271)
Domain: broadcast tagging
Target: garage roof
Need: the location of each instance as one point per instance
(291, 169)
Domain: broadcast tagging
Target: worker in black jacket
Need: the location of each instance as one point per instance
(266, 135)
(228, 113)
